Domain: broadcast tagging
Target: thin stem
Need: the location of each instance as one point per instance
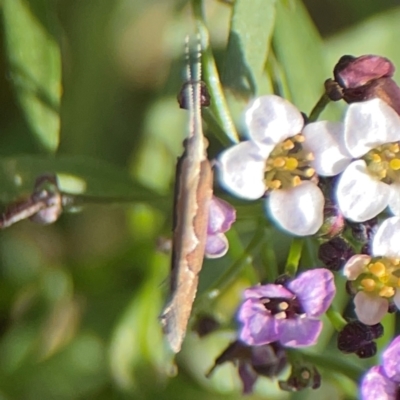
(211, 77)
(335, 318)
(270, 262)
(294, 256)
(319, 107)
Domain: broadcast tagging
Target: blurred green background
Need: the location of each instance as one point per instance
(88, 90)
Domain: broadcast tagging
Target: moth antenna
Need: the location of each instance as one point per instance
(196, 83)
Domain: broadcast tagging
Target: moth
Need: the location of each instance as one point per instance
(193, 192)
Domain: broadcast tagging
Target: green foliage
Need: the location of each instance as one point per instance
(92, 85)
(35, 65)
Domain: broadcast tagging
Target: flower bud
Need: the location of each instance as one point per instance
(364, 78)
(353, 72)
(357, 338)
(303, 376)
(335, 253)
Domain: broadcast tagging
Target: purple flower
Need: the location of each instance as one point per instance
(382, 382)
(221, 216)
(287, 314)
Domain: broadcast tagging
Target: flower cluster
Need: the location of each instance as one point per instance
(334, 179)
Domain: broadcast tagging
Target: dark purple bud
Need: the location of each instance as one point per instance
(385, 89)
(376, 330)
(352, 72)
(363, 231)
(335, 253)
(205, 98)
(357, 337)
(367, 351)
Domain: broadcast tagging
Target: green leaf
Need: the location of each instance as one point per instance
(248, 45)
(35, 65)
(76, 174)
(299, 50)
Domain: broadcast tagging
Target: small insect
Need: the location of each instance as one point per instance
(193, 192)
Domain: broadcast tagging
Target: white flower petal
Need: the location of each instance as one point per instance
(271, 119)
(298, 210)
(326, 141)
(394, 199)
(386, 241)
(241, 170)
(370, 308)
(356, 266)
(361, 197)
(369, 124)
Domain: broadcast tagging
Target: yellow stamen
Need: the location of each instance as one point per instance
(378, 269)
(368, 284)
(299, 138)
(278, 162)
(288, 145)
(382, 174)
(291, 163)
(386, 291)
(296, 181)
(309, 172)
(275, 184)
(395, 164)
(394, 147)
(376, 158)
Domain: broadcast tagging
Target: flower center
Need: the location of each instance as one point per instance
(382, 276)
(288, 164)
(283, 308)
(383, 162)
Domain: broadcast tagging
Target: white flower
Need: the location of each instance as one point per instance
(364, 147)
(377, 276)
(273, 161)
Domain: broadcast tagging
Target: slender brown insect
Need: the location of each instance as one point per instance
(193, 192)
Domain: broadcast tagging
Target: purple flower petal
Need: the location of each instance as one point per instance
(299, 332)
(216, 245)
(391, 357)
(259, 326)
(221, 216)
(355, 72)
(315, 289)
(375, 385)
(267, 291)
